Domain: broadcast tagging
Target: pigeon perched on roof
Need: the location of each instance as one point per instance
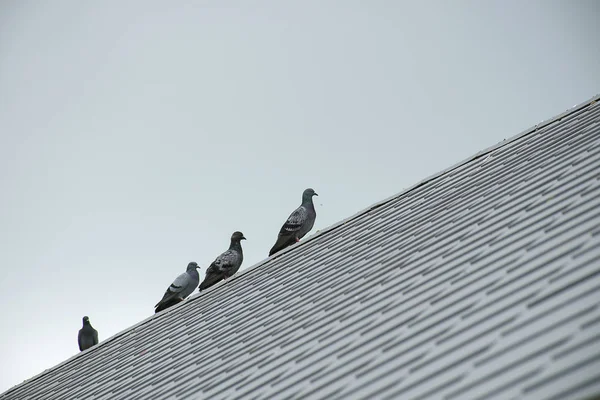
(298, 224)
(88, 336)
(181, 288)
(226, 264)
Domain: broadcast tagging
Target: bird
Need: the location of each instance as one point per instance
(298, 224)
(181, 288)
(88, 336)
(226, 264)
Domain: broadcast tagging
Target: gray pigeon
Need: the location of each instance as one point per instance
(226, 264)
(181, 288)
(298, 224)
(88, 336)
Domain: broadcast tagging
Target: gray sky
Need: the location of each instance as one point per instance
(136, 136)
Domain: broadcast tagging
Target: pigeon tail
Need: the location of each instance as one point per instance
(208, 281)
(282, 243)
(163, 305)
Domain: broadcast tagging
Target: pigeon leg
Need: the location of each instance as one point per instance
(297, 240)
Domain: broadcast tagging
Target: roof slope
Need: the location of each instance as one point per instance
(481, 282)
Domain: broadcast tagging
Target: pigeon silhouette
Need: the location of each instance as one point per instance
(88, 336)
(226, 264)
(298, 224)
(181, 288)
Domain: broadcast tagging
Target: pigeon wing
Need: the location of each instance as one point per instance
(291, 230)
(225, 261)
(221, 268)
(80, 340)
(294, 222)
(178, 285)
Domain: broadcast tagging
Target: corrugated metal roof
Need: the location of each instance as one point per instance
(482, 281)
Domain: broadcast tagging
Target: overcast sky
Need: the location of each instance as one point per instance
(136, 136)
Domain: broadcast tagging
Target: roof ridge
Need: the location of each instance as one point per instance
(570, 113)
(544, 123)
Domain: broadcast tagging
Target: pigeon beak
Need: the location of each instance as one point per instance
(243, 238)
(316, 194)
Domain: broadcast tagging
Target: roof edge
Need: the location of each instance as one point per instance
(569, 112)
(544, 123)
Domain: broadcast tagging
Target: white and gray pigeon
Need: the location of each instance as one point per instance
(298, 224)
(227, 264)
(88, 336)
(182, 287)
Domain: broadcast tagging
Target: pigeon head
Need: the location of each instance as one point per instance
(86, 320)
(308, 194)
(237, 236)
(192, 266)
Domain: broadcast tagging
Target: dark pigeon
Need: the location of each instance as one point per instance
(226, 264)
(88, 336)
(298, 224)
(181, 288)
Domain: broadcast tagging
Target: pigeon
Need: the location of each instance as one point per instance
(88, 336)
(298, 224)
(181, 288)
(226, 264)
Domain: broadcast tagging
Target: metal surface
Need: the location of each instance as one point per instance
(480, 282)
